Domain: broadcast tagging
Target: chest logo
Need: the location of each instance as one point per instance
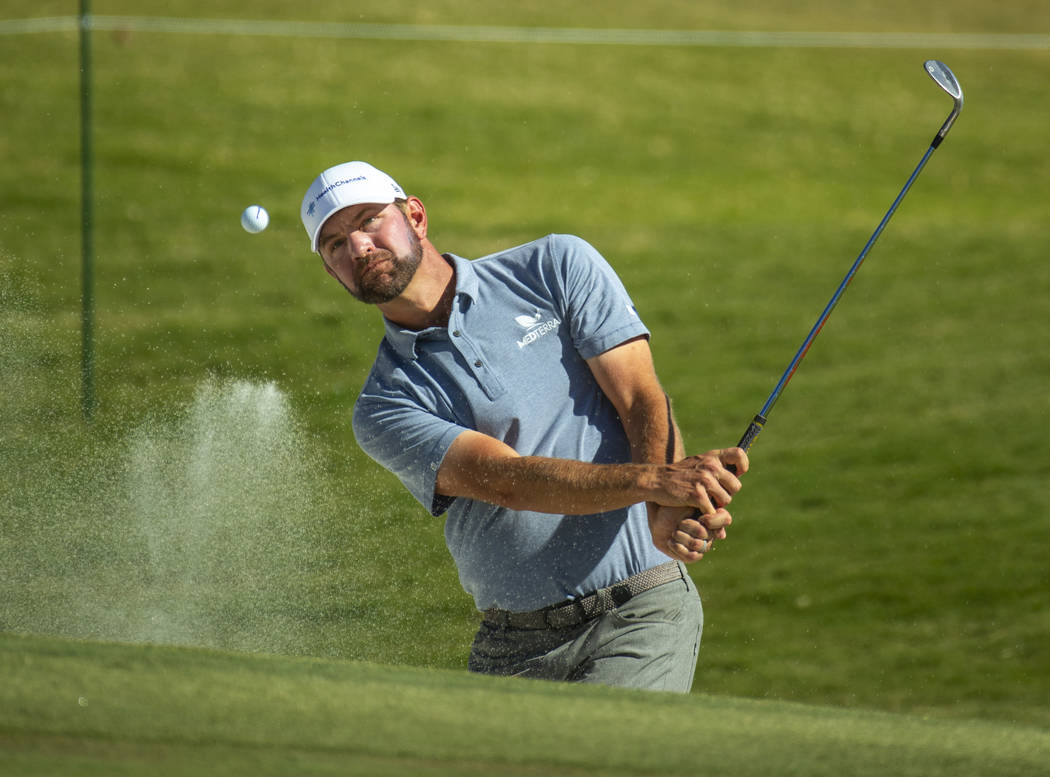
(535, 327)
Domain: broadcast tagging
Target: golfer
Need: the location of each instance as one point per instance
(516, 395)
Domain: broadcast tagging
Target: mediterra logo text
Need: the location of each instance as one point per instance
(538, 331)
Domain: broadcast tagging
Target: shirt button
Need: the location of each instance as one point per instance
(455, 333)
(477, 363)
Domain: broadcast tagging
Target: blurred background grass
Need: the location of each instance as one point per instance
(889, 548)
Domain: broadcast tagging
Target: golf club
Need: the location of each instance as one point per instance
(946, 80)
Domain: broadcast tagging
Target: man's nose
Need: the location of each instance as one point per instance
(361, 245)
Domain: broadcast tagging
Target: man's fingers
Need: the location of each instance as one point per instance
(711, 479)
(718, 521)
(689, 534)
(718, 474)
(706, 526)
(696, 548)
(688, 548)
(735, 460)
(691, 531)
(704, 503)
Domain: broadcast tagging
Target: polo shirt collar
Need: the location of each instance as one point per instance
(404, 340)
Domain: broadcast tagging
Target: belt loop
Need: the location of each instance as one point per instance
(605, 600)
(620, 594)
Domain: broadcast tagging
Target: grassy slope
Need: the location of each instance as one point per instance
(888, 551)
(113, 709)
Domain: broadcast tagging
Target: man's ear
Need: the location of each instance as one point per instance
(417, 216)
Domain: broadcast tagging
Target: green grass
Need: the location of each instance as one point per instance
(889, 547)
(91, 708)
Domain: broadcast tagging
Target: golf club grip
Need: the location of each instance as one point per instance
(753, 430)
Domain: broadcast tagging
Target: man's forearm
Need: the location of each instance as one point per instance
(574, 487)
(480, 467)
(565, 486)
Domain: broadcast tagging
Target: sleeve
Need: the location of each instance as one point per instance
(597, 307)
(407, 440)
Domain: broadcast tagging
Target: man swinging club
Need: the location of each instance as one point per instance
(516, 394)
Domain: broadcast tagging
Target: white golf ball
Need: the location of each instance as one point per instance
(255, 218)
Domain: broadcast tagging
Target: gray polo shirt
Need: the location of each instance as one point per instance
(511, 365)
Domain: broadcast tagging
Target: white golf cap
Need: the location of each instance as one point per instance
(351, 183)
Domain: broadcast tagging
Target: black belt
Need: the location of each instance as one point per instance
(577, 611)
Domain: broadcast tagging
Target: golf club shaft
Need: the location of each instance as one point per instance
(759, 421)
(946, 80)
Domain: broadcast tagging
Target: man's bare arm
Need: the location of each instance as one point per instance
(478, 466)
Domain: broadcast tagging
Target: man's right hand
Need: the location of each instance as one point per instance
(682, 534)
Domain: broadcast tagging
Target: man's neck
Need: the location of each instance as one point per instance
(427, 302)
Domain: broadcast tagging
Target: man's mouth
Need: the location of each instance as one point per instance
(381, 263)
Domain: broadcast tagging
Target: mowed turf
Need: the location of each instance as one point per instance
(889, 547)
(89, 708)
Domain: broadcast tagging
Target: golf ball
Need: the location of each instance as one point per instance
(255, 218)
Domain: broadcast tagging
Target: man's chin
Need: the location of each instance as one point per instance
(376, 298)
(382, 287)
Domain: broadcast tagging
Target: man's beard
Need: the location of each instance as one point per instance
(387, 284)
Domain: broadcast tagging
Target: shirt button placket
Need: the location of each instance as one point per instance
(490, 382)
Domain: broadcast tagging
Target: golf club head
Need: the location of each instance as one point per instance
(946, 80)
